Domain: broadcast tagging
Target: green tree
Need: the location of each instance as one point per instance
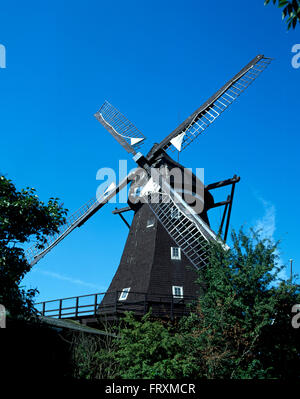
(92, 356)
(290, 12)
(151, 349)
(23, 217)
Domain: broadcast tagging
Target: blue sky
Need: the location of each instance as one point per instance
(157, 62)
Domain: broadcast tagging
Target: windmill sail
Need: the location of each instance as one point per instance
(184, 226)
(77, 219)
(120, 127)
(204, 116)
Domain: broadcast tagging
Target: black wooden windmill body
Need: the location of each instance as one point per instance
(170, 232)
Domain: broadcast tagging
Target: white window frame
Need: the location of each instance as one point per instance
(150, 223)
(174, 287)
(175, 257)
(124, 294)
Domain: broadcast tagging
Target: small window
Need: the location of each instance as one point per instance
(175, 214)
(175, 253)
(124, 294)
(177, 291)
(150, 223)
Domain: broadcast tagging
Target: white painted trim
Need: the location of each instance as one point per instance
(124, 294)
(179, 254)
(174, 291)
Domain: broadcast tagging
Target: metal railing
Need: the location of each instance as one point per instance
(104, 303)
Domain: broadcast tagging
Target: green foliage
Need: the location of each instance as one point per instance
(241, 327)
(23, 217)
(290, 12)
(244, 316)
(93, 355)
(151, 349)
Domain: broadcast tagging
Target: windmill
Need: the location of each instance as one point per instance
(170, 232)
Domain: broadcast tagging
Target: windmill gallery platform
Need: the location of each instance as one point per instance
(170, 233)
(85, 308)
